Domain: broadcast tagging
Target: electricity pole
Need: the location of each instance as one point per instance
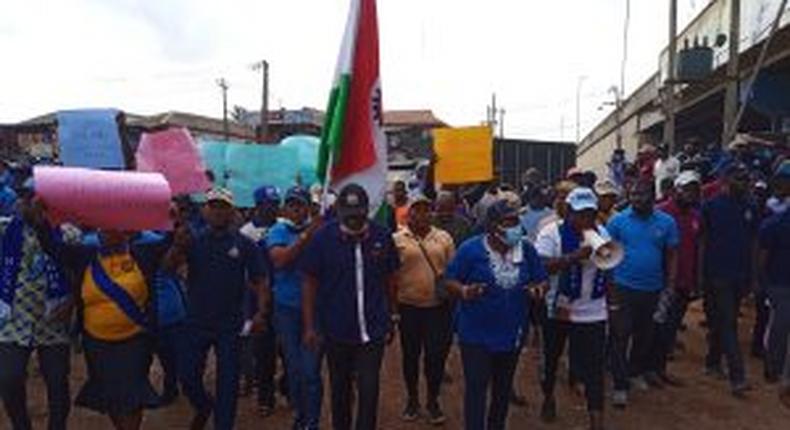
(733, 66)
(263, 130)
(579, 83)
(669, 87)
(223, 84)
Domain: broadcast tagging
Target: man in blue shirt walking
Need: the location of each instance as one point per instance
(349, 297)
(729, 239)
(286, 241)
(650, 239)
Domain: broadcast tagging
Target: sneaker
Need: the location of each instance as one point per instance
(653, 380)
(640, 383)
(412, 412)
(548, 412)
(435, 415)
(620, 399)
(740, 389)
(716, 373)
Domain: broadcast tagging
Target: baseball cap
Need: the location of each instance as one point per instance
(687, 177)
(299, 194)
(352, 200)
(266, 194)
(582, 198)
(607, 188)
(419, 198)
(220, 195)
(499, 210)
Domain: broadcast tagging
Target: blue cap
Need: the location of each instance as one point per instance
(783, 169)
(582, 198)
(298, 193)
(266, 194)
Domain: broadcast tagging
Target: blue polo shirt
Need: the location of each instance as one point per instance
(775, 239)
(645, 241)
(330, 257)
(287, 282)
(730, 227)
(498, 319)
(220, 267)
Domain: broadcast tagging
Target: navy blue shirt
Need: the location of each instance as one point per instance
(730, 226)
(498, 319)
(330, 258)
(645, 241)
(775, 239)
(220, 267)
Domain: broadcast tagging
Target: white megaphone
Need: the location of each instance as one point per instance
(607, 254)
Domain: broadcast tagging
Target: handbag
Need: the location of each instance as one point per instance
(440, 284)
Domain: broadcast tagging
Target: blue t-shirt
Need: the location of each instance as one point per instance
(645, 241)
(775, 239)
(220, 269)
(287, 283)
(730, 226)
(497, 319)
(330, 257)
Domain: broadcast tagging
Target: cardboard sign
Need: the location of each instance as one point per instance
(307, 148)
(464, 155)
(251, 166)
(90, 138)
(127, 201)
(174, 154)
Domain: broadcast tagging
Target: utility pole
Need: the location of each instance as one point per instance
(263, 129)
(579, 83)
(619, 94)
(669, 87)
(502, 123)
(733, 66)
(223, 84)
(618, 106)
(492, 120)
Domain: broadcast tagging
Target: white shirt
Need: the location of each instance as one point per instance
(256, 234)
(584, 309)
(669, 168)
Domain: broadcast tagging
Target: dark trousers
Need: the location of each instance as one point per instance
(227, 347)
(486, 370)
(778, 330)
(762, 316)
(347, 362)
(631, 325)
(259, 363)
(668, 319)
(54, 362)
(424, 332)
(724, 303)
(587, 357)
(167, 342)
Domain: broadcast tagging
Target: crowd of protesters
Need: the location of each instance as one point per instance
(319, 285)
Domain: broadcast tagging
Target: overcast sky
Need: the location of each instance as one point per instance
(147, 56)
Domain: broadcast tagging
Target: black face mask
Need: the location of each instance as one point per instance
(354, 224)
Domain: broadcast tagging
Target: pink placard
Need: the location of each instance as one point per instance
(127, 201)
(174, 154)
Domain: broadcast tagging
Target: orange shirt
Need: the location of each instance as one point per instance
(401, 215)
(102, 318)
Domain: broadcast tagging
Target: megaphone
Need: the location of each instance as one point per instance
(607, 254)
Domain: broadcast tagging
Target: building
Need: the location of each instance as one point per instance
(513, 157)
(700, 104)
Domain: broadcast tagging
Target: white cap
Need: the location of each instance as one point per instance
(582, 198)
(687, 177)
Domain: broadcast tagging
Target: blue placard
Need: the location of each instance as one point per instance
(251, 166)
(307, 146)
(90, 138)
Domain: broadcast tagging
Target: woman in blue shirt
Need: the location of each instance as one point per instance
(494, 275)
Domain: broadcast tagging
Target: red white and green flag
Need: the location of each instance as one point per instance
(353, 145)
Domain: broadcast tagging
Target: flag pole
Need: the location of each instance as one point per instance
(327, 183)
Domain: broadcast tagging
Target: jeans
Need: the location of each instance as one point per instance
(631, 324)
(304, 368)
(424, 331)
(725, 298)
(349, 361)
(778, 330)
(197, 341)
(666, 329)
(484, 370)
(167, 341)
(54, 362)
(587, 357)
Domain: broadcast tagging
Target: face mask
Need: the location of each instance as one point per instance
(353, 225)
(512, 236)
